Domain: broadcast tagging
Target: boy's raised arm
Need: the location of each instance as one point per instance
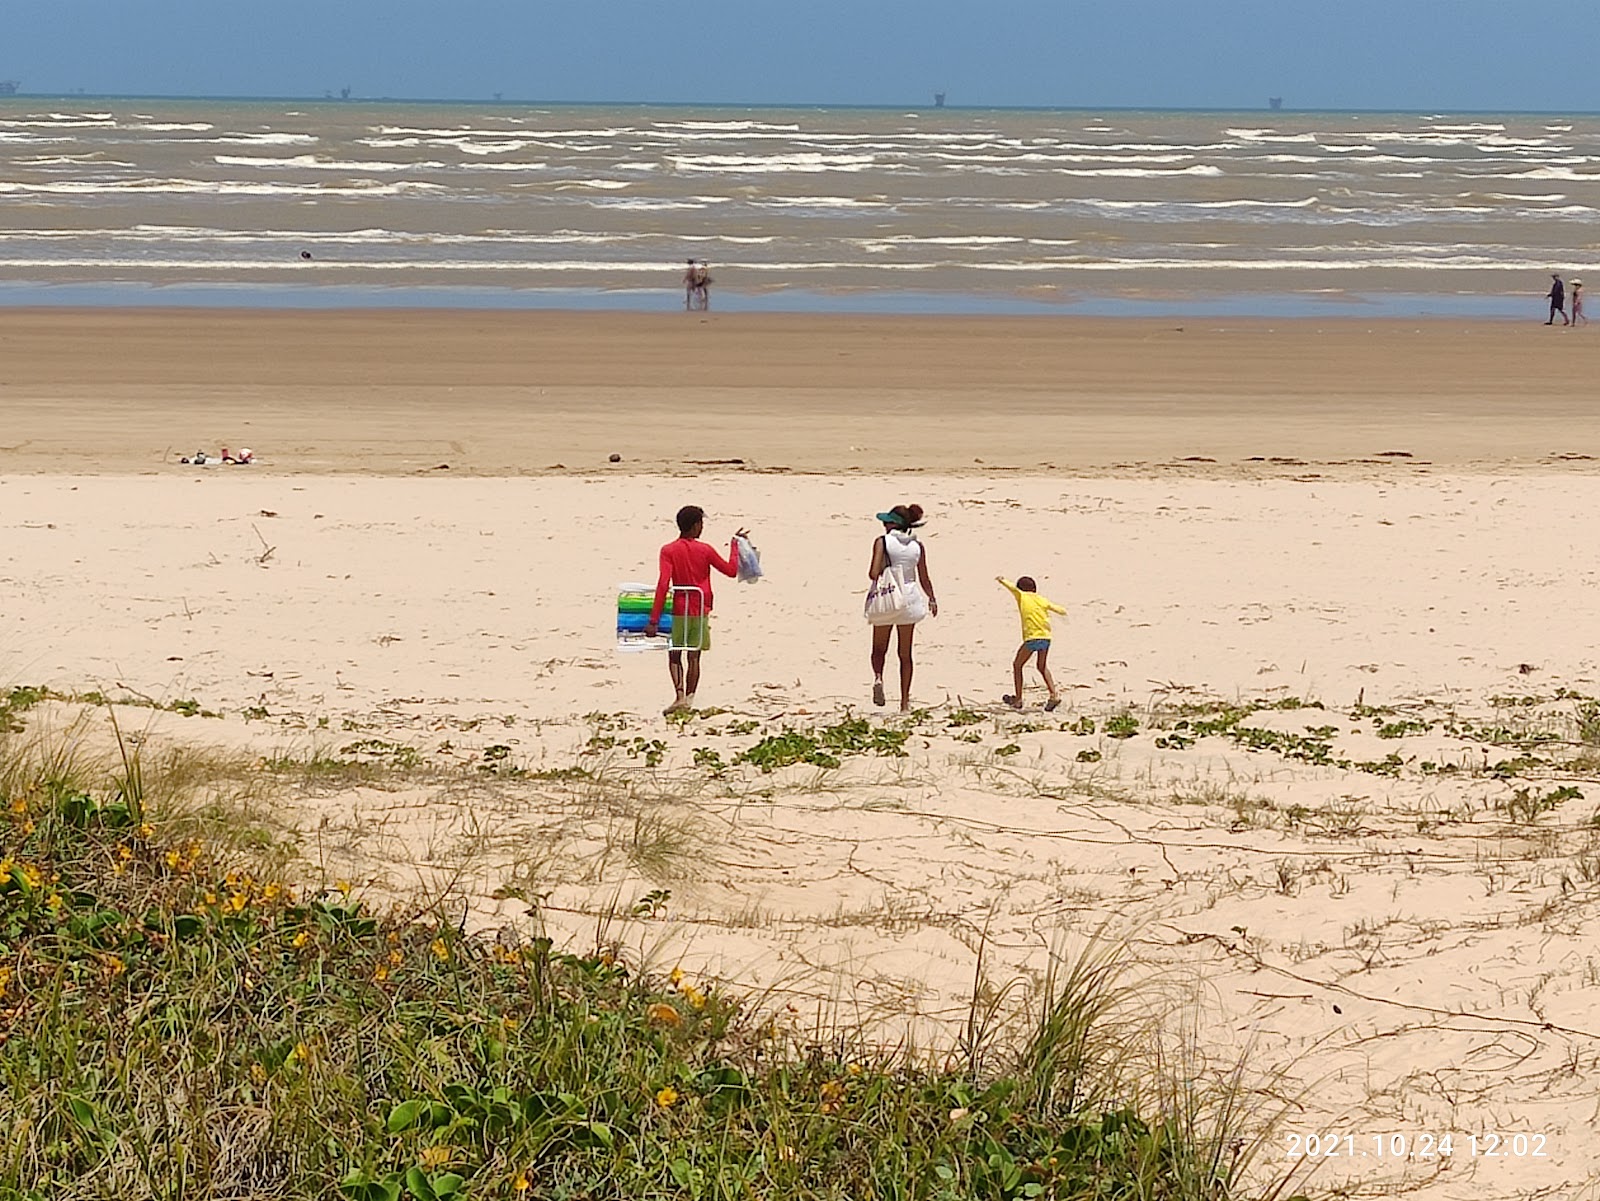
(1006, 584)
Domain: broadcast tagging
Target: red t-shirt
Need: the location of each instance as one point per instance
(688, 562)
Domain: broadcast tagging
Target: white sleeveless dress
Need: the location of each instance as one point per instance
(905, 556)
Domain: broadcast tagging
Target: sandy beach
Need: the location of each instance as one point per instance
(504, 393)
(1328, 759)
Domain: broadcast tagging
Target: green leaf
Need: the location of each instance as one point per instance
(358, 1186)
(82, 1112)
(187, 925)
(447, 1184)
(602, 1132)
(404, 1115)
(417, 1185)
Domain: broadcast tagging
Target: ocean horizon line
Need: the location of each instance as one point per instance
(788, 106)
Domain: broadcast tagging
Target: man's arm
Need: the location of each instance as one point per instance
(731, 567)
(1055, 608)
(663, 583)
(1006, 584)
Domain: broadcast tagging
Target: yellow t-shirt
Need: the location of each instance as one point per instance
(1035, 611)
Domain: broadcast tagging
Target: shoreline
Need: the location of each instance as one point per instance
(1128, 302)
(129, 391)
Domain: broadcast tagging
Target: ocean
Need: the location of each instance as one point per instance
(276, 202)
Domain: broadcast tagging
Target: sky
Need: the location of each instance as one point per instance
(1373, 54)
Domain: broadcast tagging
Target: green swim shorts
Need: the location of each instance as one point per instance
(691, 633)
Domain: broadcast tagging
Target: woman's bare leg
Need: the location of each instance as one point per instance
(880, 654)
(907, 633)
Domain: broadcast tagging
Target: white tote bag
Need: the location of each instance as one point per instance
(886, 598)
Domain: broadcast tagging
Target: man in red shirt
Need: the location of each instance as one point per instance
(686, 565)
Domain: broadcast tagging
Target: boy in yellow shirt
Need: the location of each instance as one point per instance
(1035, 612)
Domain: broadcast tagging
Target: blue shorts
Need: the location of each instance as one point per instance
(1035, 645)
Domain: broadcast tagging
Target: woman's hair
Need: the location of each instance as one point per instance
(908, 515)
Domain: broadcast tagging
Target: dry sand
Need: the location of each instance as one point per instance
(1412, 940)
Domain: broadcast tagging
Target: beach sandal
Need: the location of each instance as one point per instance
(1014, 701)
(877, 693)
(678, 705)
(1051, 705)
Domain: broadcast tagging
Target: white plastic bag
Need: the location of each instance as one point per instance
(749, 565)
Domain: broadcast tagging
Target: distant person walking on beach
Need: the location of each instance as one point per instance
(1035, 612)
(686, 565)
(697, 286)
(900, 565)
(1577, 303)
(1557, 301)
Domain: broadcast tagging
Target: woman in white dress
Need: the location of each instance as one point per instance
(900, 551)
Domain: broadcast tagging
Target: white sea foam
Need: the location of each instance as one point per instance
(311, 162)
(266, 139)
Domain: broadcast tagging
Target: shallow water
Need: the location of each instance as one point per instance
(872, 209)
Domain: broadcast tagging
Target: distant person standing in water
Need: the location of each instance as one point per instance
(690, 283)
(702, 283)
(1577, 303)
(1558, 300)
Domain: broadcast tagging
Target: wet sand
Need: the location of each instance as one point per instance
(511, 393)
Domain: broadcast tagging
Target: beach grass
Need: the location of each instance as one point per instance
(179, 1018)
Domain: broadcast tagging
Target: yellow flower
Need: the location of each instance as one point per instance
(396, 958)
(5, 980)
(173, 859)
(19, 805)
(27, 826)
(301, 939)
(301, 1053)
(440, 951)
(510, 1023)
(31, 876)
(271, 891)
(146, 830)
(125, 852)
(381, 973)
(435, 1157)
(522, 1184)
(831, 1095)
(667, 1097)
(694, 996)
(238, 901)
(665, 1014)
(211, 898)
(854, 1069)
(258, 1074)
(114, 966)
(676, 977)
(343, 886)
